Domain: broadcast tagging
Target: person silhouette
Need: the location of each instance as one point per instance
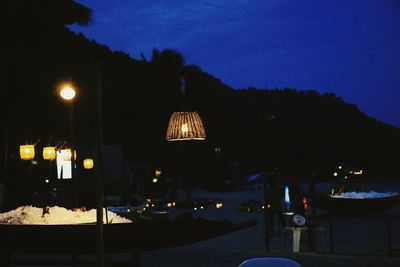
(275, 205)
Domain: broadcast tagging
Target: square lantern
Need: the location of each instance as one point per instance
(49, 153)
(27, 152)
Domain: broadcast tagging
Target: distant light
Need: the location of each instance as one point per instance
(47, 181)
(287, 198)
(34, 162)
(335, 174)
(157, 172)
(340, 167)
(305, 203)
(218, 205)
(195, 208)
(169, 205)
(358, 172)
(155, 180)
(201, 207)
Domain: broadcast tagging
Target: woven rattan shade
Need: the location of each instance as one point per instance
(185, 126)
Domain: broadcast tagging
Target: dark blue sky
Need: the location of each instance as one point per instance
(348, 47)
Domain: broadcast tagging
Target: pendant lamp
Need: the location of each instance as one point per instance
(185, 125)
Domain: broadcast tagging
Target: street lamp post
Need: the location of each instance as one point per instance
(266, 205)
(99, 171)
(68, 93)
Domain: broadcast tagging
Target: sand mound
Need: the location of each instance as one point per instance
(55, 215)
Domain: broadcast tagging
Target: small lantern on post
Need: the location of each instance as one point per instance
(67, 153)
(49, 153)
(88, 163)
(27, 152)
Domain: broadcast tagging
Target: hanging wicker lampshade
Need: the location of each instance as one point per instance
(27, 152)
(49, 153)
(185, 126)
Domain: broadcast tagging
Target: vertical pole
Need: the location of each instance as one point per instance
(99, 172)
(266, 209)
(389, 226)
(72, 143)
(5, 154)
(331, 234)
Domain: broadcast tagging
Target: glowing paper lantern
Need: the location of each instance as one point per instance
(49, 153)
(88, 163)
(27, 152)
(67, 153)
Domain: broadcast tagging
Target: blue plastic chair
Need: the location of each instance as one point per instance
(269, 262)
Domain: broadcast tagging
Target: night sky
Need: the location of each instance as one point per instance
(348, 47)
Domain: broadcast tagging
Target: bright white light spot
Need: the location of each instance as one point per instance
(67, 92)
(155, 180)
(64, 165)
(335, 174)
(185, 128)
(47, 181)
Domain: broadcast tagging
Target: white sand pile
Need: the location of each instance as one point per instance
(55, 215)
(362, 195)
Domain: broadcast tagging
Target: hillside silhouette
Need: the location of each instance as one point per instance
(310, 133)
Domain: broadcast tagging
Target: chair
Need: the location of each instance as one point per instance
(269, 262)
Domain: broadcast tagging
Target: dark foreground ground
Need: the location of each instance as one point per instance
(359, 242)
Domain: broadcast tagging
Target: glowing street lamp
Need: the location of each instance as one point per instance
(67, 92)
